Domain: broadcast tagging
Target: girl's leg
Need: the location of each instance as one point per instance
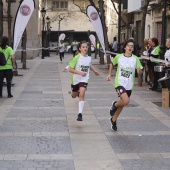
(124, 100)
(81, 102)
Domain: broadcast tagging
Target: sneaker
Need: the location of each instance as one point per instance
(79, 118)
(113, 109)
(113, 125)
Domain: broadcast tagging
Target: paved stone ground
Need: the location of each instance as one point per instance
(39, 131)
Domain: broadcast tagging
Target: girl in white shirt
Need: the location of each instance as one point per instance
(80, 67)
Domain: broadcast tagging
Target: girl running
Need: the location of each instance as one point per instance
(80, 66)
(124, 80)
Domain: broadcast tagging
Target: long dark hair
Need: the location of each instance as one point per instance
(4, 42)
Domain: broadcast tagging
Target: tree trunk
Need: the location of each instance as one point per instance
(144, 12)
(9, 21)
(1, 19)
(101, 7)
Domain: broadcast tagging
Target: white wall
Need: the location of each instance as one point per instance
(134, 5)
(74, 19)
(78, 21)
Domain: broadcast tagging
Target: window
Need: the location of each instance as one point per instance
(59, 4)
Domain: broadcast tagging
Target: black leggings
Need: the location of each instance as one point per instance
(61, 55)
(8, 75)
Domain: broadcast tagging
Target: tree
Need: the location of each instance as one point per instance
(99, 5)
(9, 21)
(1, 19)
(144, 12)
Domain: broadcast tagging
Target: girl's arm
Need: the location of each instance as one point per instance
(95, 72)
(110, 71)
(139, 71)
(71, 70)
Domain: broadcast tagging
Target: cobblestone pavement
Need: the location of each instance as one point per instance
(39, 131)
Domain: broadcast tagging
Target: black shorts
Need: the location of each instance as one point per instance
(75, 88)
(120, 90)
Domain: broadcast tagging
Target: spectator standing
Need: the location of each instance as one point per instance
(145, 61)
(115, 45)
(155, 53)
(149, 65)
(167, 53)
(6, 70)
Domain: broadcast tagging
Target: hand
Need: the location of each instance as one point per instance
(96, 73)
(108, 77)
(83, 74)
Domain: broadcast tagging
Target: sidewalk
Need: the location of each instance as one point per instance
(39, 130)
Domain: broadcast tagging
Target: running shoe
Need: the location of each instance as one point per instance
(79, 118)
(113, 125)
(113, 109)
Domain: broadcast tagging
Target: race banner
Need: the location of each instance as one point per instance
(62, 37)
(96, 22)
(23, 15)
(93, 40)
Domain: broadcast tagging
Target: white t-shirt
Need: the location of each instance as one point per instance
(167, 56)
(125, 73)
(80, 63)
(114, 47)
(75, 45)
(61, 47)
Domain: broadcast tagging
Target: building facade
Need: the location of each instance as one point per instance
(65, 16)
(153, 25)
(70, 17)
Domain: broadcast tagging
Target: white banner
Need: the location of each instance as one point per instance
(23, 15)
(62, 37)
(96, 22)
(93, 40)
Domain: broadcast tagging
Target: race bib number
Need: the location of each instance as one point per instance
(84, 68)
(125, 73)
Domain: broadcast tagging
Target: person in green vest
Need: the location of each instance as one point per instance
(6, 70)
(155, 53)
(98, 49)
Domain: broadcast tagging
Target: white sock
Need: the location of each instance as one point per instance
(81, 106)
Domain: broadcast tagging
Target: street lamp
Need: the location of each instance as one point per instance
(48, 34)
(43, 13)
